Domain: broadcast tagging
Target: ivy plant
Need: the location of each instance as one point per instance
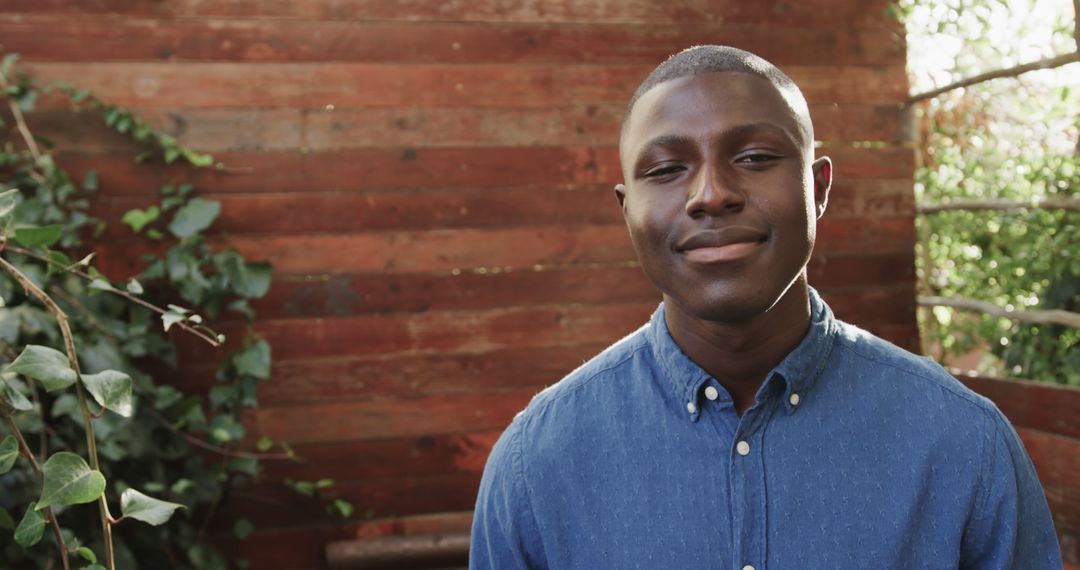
(88, 416)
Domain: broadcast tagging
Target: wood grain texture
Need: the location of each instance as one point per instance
(415, 168)
(315, 85)
(314, 130)
(817, 13)
(95, 38)
(1044, 407)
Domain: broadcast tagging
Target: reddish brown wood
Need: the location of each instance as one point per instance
(436, 331)
(409, 168)
(233, 130)
(818, 13)
(108, 38)
(315, 85)
(510, 207)
(1044, 407)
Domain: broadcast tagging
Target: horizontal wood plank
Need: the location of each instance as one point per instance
(410, 168)
(434, 332)
(93, 38)
(386, 419)
(510, 207)
(314, 130)
(822, 13)
(316, 85)
(1046, 407)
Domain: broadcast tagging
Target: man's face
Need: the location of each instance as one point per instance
(721, 199)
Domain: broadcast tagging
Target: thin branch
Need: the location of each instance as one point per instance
(1072, 204)
(1047, 63)
(29, 454)
(20, 121)
(73, 360)
(223, 451)
(1038, 317)
(193, 330)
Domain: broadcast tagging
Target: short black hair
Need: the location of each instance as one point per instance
(715, 59)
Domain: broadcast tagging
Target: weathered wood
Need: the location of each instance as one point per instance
(416, 552)
(312, 130)
(817, 13)
(108, 38)
(509, 207)
(1040, 406)
(435, 332)
(316, 85)
(412, 168)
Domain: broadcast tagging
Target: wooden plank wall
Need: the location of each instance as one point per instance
(432, 181)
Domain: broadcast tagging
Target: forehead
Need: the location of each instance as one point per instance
(700, 104)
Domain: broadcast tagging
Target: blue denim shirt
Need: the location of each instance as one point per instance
(856, 454)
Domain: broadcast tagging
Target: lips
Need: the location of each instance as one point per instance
(725, 244)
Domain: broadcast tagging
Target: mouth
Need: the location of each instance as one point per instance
(718, 246)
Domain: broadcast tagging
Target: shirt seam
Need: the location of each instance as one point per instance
(519, 467)
(591, 377)
(971, 399)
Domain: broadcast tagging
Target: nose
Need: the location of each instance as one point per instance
(712, 193)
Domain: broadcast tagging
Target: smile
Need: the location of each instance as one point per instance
(727, 244)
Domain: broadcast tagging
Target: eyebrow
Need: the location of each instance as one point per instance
(670, 141)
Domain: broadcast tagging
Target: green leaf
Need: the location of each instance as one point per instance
(145, 508)
(13, 397)
(8, 200)
(138, 219)
(249, 279)
(48, 366)
(100, 285)
(8, 63)
(344, 508)
(111, 389)
(87, 554)
(69, 481)
(170, 318)
(9, 452)
(6, 522)
(90, 181)
(243, 528)
(264, 444)
(38, 236)
(134, 287)
(254, 360)
(30, 528)
(194, 217)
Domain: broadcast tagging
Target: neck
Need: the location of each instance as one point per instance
(740, 354)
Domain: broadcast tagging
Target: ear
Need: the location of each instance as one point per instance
(822, 169)
(620, 195)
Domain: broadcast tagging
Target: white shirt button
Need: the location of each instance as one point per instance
(712, 393)
(748, 567)
(690, 407)
(794, 399)
(743, 448)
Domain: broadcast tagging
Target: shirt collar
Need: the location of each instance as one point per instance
(797, 372)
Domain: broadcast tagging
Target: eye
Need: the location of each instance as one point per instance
(663, 171)
(756, 157)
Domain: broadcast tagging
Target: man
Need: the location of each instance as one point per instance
(745, 427)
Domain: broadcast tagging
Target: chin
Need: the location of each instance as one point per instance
(732, 304)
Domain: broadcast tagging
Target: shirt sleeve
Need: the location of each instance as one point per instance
(504, 532)
(1011, 527)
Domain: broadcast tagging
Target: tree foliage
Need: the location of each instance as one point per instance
(1014, 138)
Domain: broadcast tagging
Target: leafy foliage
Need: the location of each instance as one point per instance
(1014, 139)
(139, 432)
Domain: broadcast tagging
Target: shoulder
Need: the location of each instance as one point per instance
(893, 372)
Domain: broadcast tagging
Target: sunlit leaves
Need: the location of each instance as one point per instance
(139, 506)
(38, 236)
(69, 481)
